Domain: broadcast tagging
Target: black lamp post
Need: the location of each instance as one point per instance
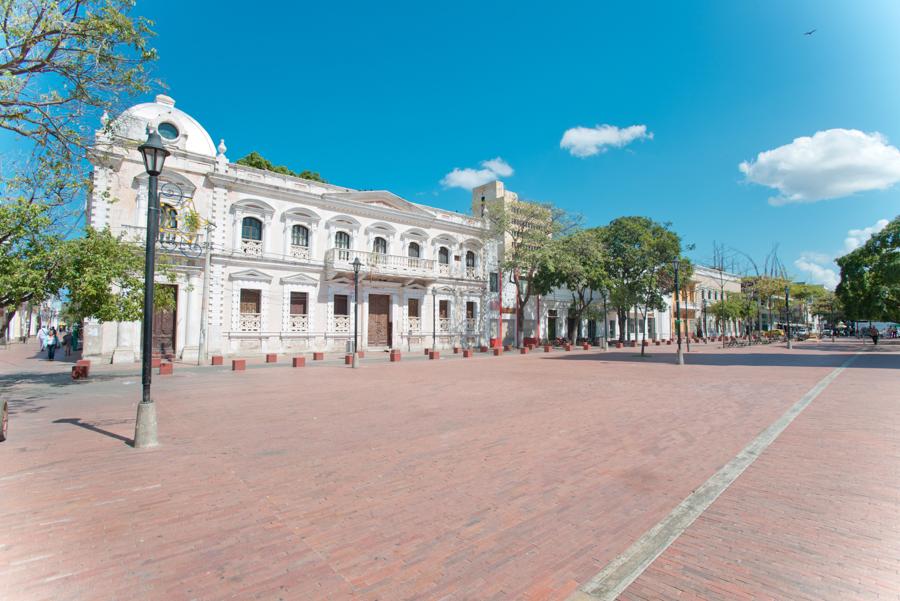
(833, 328)
(679, 353)
(154, 154)
(605, 321)
(433, 319)
(787, 308)
(356, 265)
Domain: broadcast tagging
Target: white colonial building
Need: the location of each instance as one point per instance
(263, 262)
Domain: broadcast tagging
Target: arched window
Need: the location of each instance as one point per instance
(444, 256)
(299, 236)
(379, 245)
(168, 222)
(470, 260)
(251, 228)
(342, 241)
(414, 251)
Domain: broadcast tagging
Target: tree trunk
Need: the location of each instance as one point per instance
(7, 319)
(622, 316)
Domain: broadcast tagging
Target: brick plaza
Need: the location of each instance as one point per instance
(512, 477)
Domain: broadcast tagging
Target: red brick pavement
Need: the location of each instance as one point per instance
(817, 516)
(493, 478)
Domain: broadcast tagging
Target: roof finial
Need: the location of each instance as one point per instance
(222, 147)
(104, 118)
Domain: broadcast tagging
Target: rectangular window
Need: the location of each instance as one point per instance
(412, 308)
(470, 310)
(250, 301)
(341, 304)
(298, 303)
(444, 309)
(495, 282)
(612, 326)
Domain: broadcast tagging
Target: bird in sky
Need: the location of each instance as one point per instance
(810, 32)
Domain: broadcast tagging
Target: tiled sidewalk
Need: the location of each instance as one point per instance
(489, 478)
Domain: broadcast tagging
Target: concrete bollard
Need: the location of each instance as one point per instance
(348, 359)
(547, 348)
(298, 362)
(395, 356)
(79, 372)
(668, 342)
(523, 350)
(456, 350)
(318, 356)
(585, 347)
(619, 345)
(507, 347)
(238, 364)
(498, 351)
(155, 362)
(271, 358)
(427, 351)
(567, 347)
(165, 369)
(434, 355)
(483, 349)
(218, 360)
(467, 353)
(361, 354)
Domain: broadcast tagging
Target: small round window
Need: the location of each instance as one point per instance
(168, 131)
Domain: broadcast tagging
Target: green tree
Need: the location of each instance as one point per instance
(62, 64)
(640, 256)
(870, 277)
(577, 262)
(526, 230)
(258, 161)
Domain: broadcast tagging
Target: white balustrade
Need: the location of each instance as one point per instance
(380, 263)
(298, 323)
(249, 322)
(443, 324)
(300, 252)
(342, 324)
(415, 324)
(251, 248)
(470, 324)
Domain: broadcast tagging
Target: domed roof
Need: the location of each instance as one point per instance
(176, 127)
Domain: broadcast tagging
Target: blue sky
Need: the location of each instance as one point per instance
(397, 95)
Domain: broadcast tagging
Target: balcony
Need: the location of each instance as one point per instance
(415, 324)
(339, 260)
(341, 324)
(251, 248)
(300, 252)
(298, 323)
(249, 322)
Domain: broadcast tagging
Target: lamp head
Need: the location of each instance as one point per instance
(154, 153)
(356, 264)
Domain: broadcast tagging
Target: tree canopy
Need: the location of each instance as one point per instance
(258, 161)
(870, 277)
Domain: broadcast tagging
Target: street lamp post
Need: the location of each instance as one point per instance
(433, 319)
(787, 307)
(154, 154)
(833, 325)
(679, 353)
(356, 265)
(605, 321)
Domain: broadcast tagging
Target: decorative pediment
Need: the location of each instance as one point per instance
(300, 278)
(253, 275)
(382, 199)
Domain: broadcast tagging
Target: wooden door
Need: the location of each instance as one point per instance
(164, 327)
(379, 320)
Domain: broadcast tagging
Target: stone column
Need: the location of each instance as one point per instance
(191, 349)
(124, 352)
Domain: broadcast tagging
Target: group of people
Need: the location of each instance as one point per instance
(50, 341)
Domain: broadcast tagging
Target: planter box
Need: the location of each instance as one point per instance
(619, 345)
(507, 347)
(434, 355)
(238, 364)
(165, 369)
(467, 353)
(348, 359)
(427, 351)
(218, 360)
(79, 372)
(271, 358)
(318, 356)
(656, 342)
(155, 362)
(567, 347)
(585, 347)
(547, 348)
(456, 350)
(645, 343)
(395, 356)
(498, 351)
(484, 349)
(530, 347)
(298, 362)
(523, 350)
(361, 354)
(669, 342)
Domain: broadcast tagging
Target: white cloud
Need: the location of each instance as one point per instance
(830, 164)
(821, 268)
(469, 178)
(588, 141)
(817, 271)
(856, 238)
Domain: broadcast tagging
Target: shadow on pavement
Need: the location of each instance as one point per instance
(76, 421)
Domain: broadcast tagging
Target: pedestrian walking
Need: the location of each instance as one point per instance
(52, 343)
(67, 343)
(873, 332)
(42, 337)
